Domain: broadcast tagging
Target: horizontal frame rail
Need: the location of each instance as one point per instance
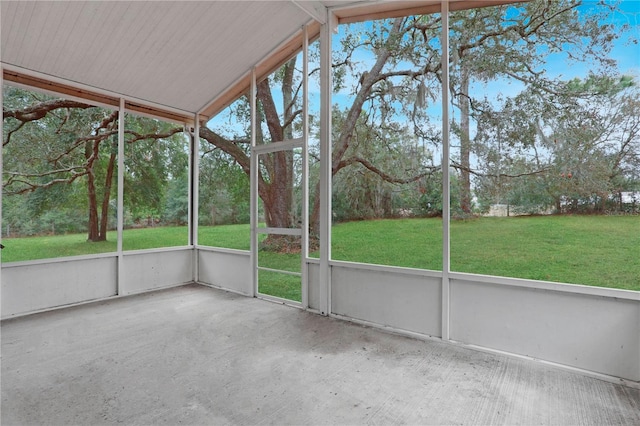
(280, 231)
(285, 145)
(280, 271)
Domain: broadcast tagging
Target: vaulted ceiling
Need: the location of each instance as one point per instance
(171, 58)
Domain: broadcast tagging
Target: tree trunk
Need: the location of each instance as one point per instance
(465, 142)
(90, 155)
(277, 195)
(104, 219)
(94, 232)
(314, 221)
(278, 202)
(285, 164)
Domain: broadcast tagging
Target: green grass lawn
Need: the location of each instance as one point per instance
(414, 243)
(44, 247)
(591, 250)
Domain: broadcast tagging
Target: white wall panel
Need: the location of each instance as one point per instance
(591, 332)
(32, 286)
(148, 270)
(228, 269)
(314, 285)
(402, 300)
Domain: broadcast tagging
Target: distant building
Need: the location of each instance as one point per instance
(498, 210)
(630, 197)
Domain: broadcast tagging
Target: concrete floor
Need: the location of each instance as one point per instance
(195, 355)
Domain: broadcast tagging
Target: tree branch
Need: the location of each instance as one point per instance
(32, 187)
(38, 111)
(459, 166)
(385, 176)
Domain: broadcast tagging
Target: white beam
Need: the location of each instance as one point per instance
(278, 146)
(195, 176)
(253, 175)
(325, 164)
(314, 9)
(194, 191)
(120, 225)
(446, 189)
(279, 231)
(304, 254)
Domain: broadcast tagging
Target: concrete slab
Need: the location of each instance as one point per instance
(195, 355)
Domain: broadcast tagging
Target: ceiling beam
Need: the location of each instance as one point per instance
(56, 88)
(368, 11)
(314, 9)
(93, 97)
(264, 68)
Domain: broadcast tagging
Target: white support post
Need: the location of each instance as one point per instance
(446, 190)
(194, 176)
(253, 174)
(325, 164)
(120, 225)
(304, 241)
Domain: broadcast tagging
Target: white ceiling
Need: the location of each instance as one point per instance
(174, 55)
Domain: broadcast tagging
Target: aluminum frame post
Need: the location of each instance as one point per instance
(326, 160)
(304, 255)
(194, 191)
(446, 184)
(120, 219)
(253, 201)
